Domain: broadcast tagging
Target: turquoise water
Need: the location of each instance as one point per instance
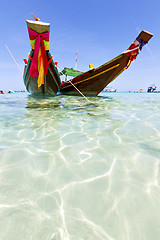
(73, 170)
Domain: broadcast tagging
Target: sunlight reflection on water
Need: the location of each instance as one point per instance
(70, 169)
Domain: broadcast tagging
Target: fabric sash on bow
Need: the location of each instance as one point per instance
(39, 64)
(134, 50)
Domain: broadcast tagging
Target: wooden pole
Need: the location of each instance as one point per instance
(76, 62)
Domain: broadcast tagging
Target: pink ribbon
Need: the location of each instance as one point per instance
(38, 42)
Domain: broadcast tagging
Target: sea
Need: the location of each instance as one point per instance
(80, 169)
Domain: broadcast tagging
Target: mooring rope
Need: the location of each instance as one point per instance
(76, 88)
(13, 58)
(79, 91)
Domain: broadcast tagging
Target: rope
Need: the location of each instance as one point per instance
(77, 89)
(14, 59)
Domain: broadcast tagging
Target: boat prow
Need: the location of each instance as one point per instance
(40, 72)
(92, 82)
(37, 26)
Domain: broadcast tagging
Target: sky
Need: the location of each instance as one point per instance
(98, 30)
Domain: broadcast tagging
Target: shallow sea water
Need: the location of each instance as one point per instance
(73, 170)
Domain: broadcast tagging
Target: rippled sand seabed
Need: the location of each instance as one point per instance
(73, 170)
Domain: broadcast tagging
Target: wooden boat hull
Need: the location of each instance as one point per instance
(52, 81)
(40, 73)
(92, 82)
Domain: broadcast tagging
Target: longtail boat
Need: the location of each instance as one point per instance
(40, 72)
(92, 82)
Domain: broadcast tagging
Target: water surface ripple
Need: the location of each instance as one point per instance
(73, 170)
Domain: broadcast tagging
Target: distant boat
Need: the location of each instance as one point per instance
(109, 89)
(152, 88)
(92, 82)
(140, 90)
(40, 72)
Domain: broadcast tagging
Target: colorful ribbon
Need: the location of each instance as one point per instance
(142, 43)
(39, 64)
(134, 50)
